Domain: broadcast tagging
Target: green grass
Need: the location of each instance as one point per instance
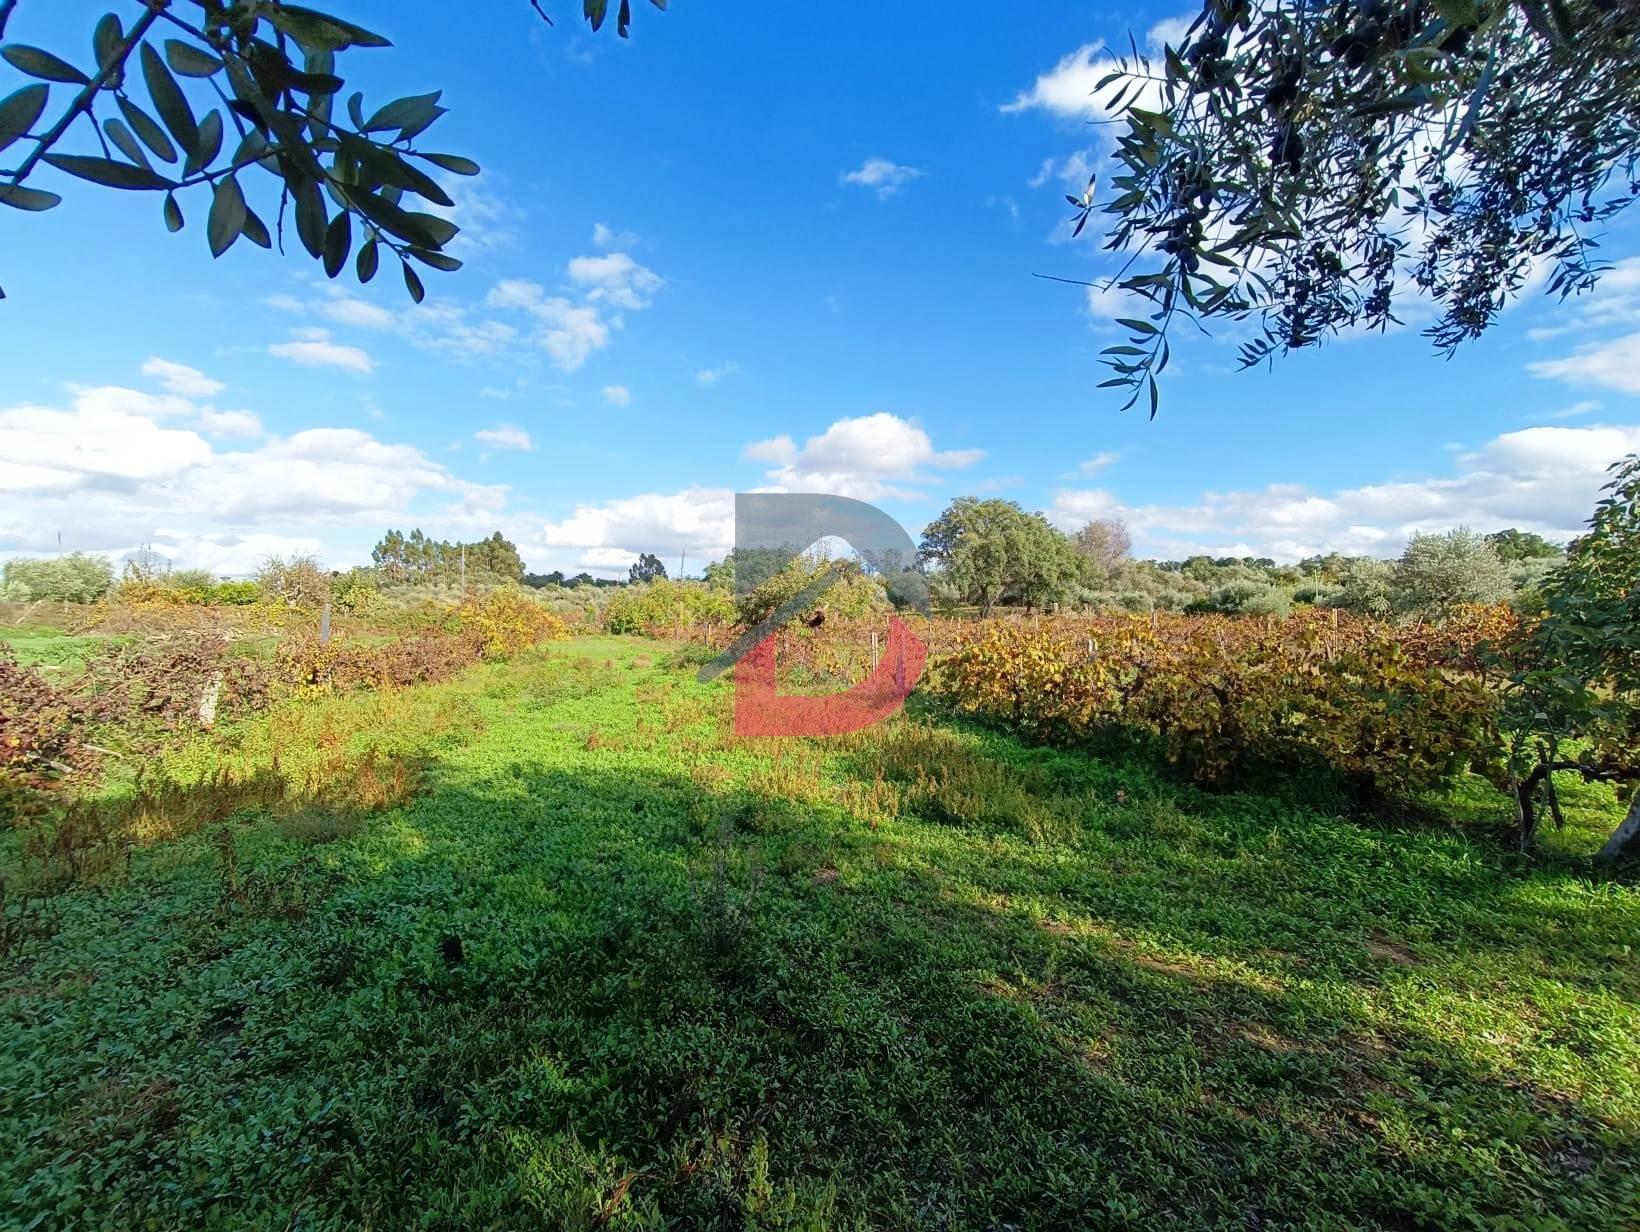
(922, 978)
(57, 653)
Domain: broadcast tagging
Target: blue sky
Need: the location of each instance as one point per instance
(753, 246)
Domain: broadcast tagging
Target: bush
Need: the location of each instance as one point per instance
(1225, 697)
(76, 578)
(235, 594)
(508, 621)
(664, 607)
(306, 667)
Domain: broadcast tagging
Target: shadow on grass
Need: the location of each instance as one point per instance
(608, 996)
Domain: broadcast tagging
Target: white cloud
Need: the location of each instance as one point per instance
(1577, 410)
(487, 220)
(778, 450)
(283, 302)
(1072, 172)
(1100, 461)
(1615, 301)
(313, 348)
(617, 395)
(230, 423)
(568, 332)
(616, 279)
(110, 472)
(605, 538)
(505, 436)
(711, 376)
(95, 443)
(182, 380)
(1066, 90)
(868, 458)
(1170, 31)
(1543, 479)
(606, 237)
(883, 177)
(346, 310)
(1613, 364)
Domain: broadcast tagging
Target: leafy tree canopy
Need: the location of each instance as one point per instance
(136, 108)
(1518, 545)
(1310, 166)
(991, 550)
(1438, 573)
(647, 568)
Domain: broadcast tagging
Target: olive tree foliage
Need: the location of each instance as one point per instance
(75, 578)
(238, 108)
(1577, 680)
(1438, 573)
(1308, 165)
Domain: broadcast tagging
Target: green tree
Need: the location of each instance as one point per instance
(1310, 167)
(1438, 573)
(140, 114)
(988, 551)
(1515, 546)
(1579, 677)
(647, 568)
(75, 578)
(1363, 586)
(720, 574)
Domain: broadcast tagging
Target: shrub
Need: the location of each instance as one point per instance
(509, 621)
(303, 665)
(1225, 696)
(76, 578)
(664, 607)
(235, 594)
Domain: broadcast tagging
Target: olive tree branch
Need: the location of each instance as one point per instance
(82, 101)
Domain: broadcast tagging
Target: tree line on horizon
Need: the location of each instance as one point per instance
(979, 555)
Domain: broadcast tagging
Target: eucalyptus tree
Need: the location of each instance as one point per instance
(240, 106)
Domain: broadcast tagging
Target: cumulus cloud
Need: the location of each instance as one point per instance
(1067, 89)
(605, 538)
(882, 176)
(615, 279)
(119, 467)
(182, 380)
(777, 449)
(347, 310)
(870, 457)
(1542, 479)
(229, 423)
(505, 436)
(313, 348)
(570, 333)
(1170, 31)
(617, 395)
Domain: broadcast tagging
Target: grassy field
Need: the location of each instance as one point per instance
(611, 968)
